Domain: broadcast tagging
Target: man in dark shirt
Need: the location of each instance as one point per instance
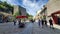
(51, 23)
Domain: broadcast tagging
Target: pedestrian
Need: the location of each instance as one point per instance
(42, 23)
(19, 23)
(45, 22)
(14, 22)
(39, 22)
(32, 20)
(51, 23)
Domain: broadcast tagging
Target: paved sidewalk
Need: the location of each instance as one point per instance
(44, 30)
(55, 26)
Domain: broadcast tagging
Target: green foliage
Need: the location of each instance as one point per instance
(29, 16)
(16, 14)
(5, 6)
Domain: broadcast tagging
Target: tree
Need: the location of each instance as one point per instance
(5, 7)
(16, 14)
(29, 16)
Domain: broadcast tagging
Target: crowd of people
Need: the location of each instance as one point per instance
(20, 25)
(42, 22)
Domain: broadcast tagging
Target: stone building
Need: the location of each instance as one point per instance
(53, 10)
(21, 10)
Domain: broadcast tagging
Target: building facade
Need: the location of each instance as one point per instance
(53, 10)
(21, 10)
(16, 9)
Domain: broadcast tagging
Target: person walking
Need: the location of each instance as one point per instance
(32, 20)
(39, 22)
(14, 22)
(45, 22)
(42, 23)
(51, 23)
(19, 23)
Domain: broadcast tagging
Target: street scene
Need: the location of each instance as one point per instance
(29, 17)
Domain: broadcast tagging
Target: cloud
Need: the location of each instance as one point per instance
(32, 7)
(2, 0)
(13, 2)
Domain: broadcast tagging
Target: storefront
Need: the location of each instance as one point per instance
(56, 17)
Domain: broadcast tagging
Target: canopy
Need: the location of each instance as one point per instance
(57, 12)
(21, 17)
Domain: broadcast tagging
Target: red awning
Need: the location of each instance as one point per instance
(57, 12)
(21, 17)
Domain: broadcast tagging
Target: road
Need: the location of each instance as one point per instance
(31, 28)
(9, 28)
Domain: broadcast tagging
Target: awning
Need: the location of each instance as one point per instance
(57, 12)
(21, 17)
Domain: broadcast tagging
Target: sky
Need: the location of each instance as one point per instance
(32, 6)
